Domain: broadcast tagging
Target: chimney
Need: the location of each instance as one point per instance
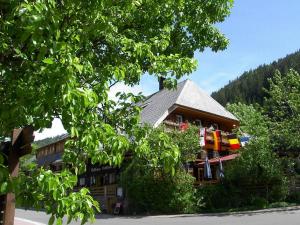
(161, 83)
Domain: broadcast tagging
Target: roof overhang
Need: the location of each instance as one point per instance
(206, 113)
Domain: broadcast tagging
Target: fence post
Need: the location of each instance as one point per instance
(13, 167)
(20, 145)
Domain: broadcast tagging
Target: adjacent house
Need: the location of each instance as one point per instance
(176, 109)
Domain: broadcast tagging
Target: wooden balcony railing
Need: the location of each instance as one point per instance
(106, 190)
(97, 190)
(205, 182)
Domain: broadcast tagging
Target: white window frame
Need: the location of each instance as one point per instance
(179, 119)
(199, 122)
(82, 181)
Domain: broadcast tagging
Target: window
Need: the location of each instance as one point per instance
(179, 119)
(93, 180)
(216, 126)
(119, 192)
(213, 126)
(112, 178)
(82, 181)
(105, 179)
(198, 123)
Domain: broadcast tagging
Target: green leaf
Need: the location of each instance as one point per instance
(51, 220)
(48, 61)
(59, 221)
(3, 188)
(69, 219)
(79, 67)
(1, 159)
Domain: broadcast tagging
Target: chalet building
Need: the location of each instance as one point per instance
(188, 104)
(176, 109)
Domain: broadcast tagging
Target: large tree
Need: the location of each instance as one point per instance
(283, 108)
(59, 59)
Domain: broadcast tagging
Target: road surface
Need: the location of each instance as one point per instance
(289, 216)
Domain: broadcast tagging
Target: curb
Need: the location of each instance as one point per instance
(282, 209)
(26, 221)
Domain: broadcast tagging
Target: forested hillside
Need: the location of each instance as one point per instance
(249, 87)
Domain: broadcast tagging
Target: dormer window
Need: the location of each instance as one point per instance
(179, 119)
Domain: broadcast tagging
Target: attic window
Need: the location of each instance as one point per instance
(179, 119)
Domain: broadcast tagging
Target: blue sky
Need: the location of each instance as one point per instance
(260, 31)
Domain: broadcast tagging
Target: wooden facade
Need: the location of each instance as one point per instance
(50, 155)
(101, 180)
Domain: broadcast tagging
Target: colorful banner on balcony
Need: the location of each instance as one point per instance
(202, 137)
(217, 140)
(233, 142)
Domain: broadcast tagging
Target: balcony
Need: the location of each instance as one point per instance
(106, 190)
(225, 146)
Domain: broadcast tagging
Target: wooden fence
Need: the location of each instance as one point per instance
(295, 184)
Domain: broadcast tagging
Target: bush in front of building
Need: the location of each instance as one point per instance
(256, 178)
(151, 186)
(151, 190)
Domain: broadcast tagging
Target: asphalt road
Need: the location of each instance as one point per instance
(289, 216)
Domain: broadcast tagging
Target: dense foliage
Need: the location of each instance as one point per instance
(154, 191)
(259, 177)
(150, 188)
(59, 59)
(258, 165)
(53, 192)
(249, 87)
(187, 142)
(283, 108)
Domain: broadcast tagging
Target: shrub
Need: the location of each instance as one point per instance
(162, 185)
(153, 191)
(256, 178)
(279, 204)
(294, 197)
